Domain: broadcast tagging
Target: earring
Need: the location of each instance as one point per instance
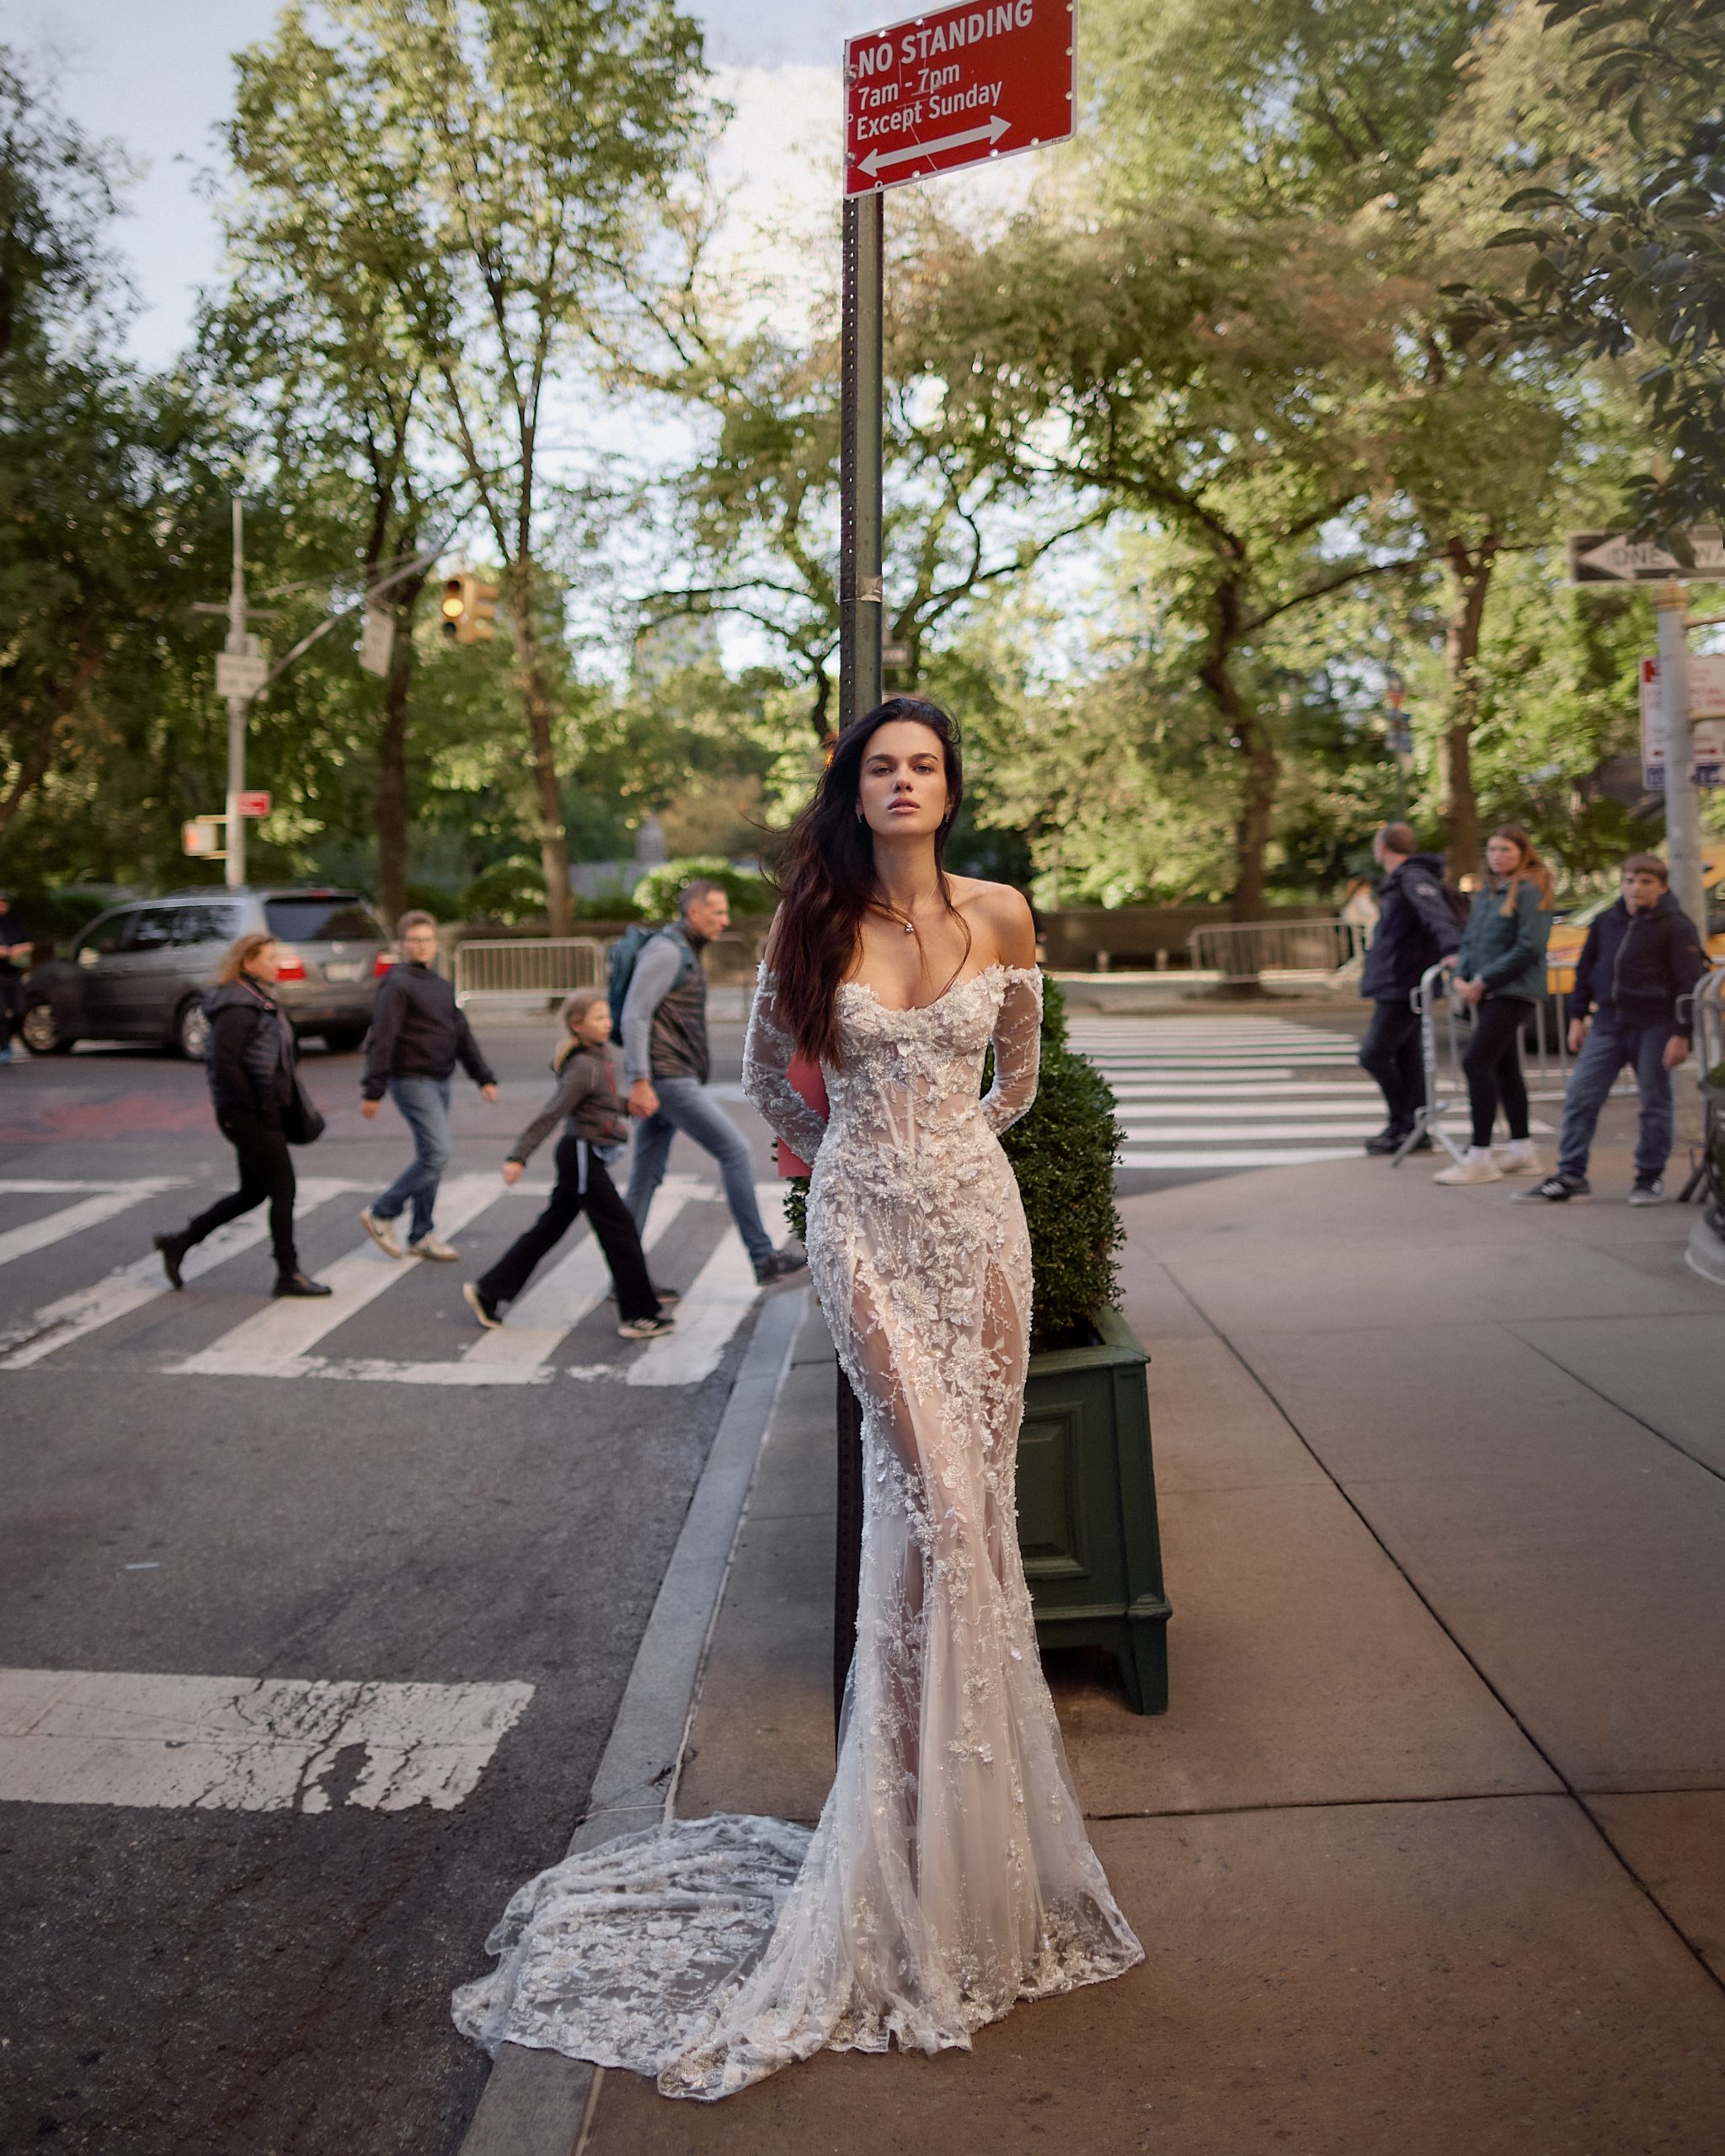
(859, 812)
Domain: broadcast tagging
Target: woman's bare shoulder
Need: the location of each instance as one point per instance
(1000, 912)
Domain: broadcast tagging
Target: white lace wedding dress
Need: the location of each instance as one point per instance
(949, 1875)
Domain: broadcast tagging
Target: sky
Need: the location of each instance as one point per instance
(155, 76)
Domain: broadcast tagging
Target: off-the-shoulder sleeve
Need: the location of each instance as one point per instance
(766, 1060)
(1018, 1050)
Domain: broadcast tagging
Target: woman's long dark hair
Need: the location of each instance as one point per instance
(828, 884)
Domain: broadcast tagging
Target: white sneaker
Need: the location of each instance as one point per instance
(1477, 1165)
(1517, 1157)
(431, 1246)
(382, 1232)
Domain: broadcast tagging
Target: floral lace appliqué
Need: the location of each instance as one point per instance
(950, 1875)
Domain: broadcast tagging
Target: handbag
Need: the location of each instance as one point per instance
(302, 1119)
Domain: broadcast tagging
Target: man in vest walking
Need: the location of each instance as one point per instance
(666, 1066)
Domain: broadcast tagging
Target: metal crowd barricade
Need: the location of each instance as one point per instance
(1708, 1170)
(1241, 951)
(1430, 1120)
(1546, 1057)
(528, 976)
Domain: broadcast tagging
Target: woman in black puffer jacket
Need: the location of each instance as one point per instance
(250, 1063)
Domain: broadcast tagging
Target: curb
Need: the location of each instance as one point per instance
(535, 2103)
(1705, 1254)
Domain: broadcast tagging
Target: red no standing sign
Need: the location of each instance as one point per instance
(955, 86)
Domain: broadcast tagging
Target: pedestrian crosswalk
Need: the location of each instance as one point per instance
(1221, 1092)
(292, 1339)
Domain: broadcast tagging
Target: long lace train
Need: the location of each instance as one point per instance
(950, 1875)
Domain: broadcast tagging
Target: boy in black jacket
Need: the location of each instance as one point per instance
(1636, 971)
(419, 1032)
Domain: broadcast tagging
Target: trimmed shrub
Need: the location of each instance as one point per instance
(1063, 1155)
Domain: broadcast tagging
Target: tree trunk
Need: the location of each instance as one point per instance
(1258, 794)
(1248, 733)
(540, 707)
(1470, 582)
(393, 761)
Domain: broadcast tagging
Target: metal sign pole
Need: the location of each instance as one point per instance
(238, 644)
(1683, 819)
(859, 692)
(860, 458)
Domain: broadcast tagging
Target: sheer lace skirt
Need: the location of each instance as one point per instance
(949, 1874)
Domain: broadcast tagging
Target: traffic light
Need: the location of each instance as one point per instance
(469, 608)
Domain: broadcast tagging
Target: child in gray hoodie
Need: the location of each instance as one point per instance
(587, 1100)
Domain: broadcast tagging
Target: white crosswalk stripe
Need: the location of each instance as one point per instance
(1253, 1092)
(73, 1219)
(288, 1338)
(723, 1293)
(556, 1303)
(244, 1744)
(56, 1325)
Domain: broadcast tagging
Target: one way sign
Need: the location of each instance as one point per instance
(1612, 557)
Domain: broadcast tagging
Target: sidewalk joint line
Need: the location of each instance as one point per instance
(1629, 1414)
(1575, 1795)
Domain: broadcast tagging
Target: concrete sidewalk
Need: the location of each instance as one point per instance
(1429, 1855)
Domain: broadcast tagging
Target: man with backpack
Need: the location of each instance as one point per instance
(658, 990)
(1420, 920)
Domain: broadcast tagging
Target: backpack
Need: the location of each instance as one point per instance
(625, 953)
(1460, 905)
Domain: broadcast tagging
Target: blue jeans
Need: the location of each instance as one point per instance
(1608, 1046)
(684, 1104)
(425, 1102)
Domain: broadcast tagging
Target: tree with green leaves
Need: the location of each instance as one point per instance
(1623, 238)
(1220, 384)
(1341, 115)
(510, 157)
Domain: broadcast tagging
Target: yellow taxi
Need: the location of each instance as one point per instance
(1568, 936)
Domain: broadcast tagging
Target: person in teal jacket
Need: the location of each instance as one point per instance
(1500, 969)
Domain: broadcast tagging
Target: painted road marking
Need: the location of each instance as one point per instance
(88, 1213)
(246, 1744)
(56, 1325)
(277, 1341)
(555, 1304)
(724, 1292)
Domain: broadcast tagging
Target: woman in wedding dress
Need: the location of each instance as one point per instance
(949, 1875)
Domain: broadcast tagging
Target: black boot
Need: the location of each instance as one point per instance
(1387, 1140)
(297, 1283)
(174, 1248)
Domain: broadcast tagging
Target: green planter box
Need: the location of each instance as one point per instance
(1087, 1508)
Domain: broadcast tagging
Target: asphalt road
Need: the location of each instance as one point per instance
(178, 1978)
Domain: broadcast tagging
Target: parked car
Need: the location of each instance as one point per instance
(139, 972)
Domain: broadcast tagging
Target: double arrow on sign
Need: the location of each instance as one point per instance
(877, 161)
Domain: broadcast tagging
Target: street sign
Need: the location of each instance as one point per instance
(376, 641)
(252, 804)
(240, 673)
(1706, 712)
(1610, 558)
(954, 87)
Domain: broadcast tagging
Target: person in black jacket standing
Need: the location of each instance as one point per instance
(250, 1063)
(586, 1099)
(419, 1033)
(1637, 973)
(1415, 928)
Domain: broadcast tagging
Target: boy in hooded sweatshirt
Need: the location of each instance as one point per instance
(587, 1100)
(1636, 972)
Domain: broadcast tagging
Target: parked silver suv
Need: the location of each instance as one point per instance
(139, 972)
